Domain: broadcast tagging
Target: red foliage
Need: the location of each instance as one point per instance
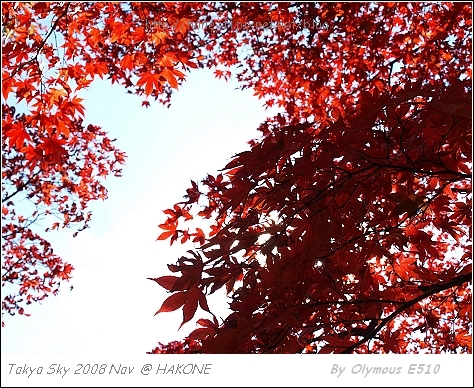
(346, 227)
(177, 347)
(48, 156)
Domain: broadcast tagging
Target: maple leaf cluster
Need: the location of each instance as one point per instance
(177, 347)
(57, 192)
(50, 159)
(347, 225)
(50, 52)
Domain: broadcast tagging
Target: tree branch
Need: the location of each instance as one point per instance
(43, 42)
(457, 281)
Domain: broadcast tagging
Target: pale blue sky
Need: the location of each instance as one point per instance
(111, 308)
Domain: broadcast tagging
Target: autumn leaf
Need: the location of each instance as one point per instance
(167, 61)
(168, 74)
(17, 136)
(167, 282)
(182, 25)
(392, 341)
(62, 127)
(173, 302)
(464, 338)
(404, 267)
(56, 95)
(190, 307)
(158, 37)
(165, 235)
(127, 62)
(200, 237)
(151, 82)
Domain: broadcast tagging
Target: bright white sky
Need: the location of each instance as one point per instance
(111, 308)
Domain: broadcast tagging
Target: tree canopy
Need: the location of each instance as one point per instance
(347, 226)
